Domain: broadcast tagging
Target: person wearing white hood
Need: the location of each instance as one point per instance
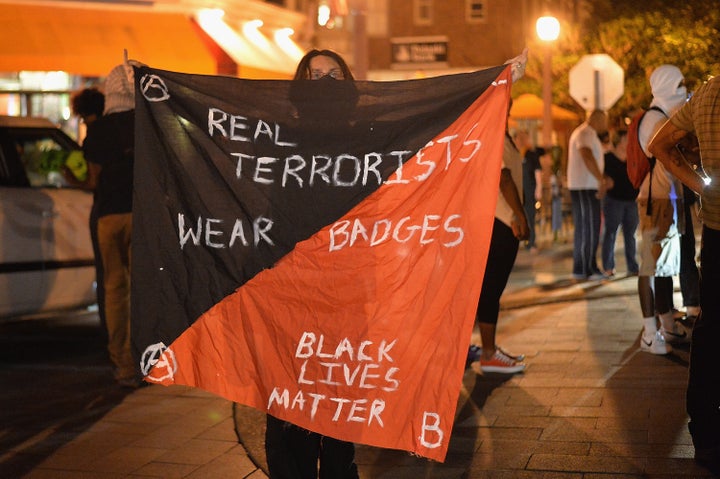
(109, 150)
(660, 222)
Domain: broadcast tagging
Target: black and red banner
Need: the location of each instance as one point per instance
(315, 249)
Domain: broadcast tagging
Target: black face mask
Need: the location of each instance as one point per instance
(325, 100)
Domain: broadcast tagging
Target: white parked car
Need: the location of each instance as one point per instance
(46, 255)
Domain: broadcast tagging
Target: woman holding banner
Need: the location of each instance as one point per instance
(291, 451)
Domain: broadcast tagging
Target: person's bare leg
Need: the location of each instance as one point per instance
(646, 295)
(487, 336)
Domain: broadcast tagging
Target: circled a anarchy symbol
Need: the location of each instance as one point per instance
(158, 363)
(153, 88)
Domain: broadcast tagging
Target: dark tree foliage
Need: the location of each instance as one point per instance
(639, 35)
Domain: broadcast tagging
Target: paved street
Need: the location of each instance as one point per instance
(590, 405)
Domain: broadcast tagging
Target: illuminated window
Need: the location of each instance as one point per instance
(330, 13)
(323, 14)
(475, 11)
(423, 12)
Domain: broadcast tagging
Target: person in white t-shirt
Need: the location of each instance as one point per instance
(587, 187)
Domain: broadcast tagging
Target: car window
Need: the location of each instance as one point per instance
(5, 172)
(11, 171)
(42, 155)
(42, 159)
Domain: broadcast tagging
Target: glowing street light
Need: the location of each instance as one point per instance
(548, 30)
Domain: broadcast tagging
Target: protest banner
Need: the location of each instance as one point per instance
(315, 249)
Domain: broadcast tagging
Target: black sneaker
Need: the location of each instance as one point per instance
(473, 355)
(679, 334)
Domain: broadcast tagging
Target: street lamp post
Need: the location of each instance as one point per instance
(358, 10)
(548, 30)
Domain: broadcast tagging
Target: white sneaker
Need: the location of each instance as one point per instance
(678, 335)
(655, 344)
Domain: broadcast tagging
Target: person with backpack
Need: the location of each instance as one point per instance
(661, 213)
(701, 116)
(638, 167)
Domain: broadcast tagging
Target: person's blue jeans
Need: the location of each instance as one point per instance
(557, 214)
(620, 213)
(586, 217)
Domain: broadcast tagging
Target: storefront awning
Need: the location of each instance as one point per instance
(256, 55)
(90, 41)
(530, 107)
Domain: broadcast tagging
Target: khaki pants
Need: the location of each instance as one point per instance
(114, 232)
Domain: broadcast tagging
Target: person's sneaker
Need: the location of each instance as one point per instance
(597, 277)
(473, 355)
(515, 357)
(500, 363)
(678, 335)
(655, 344)
(691, 315)
(476, 351)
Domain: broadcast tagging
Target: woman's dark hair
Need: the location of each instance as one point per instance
(303, 68)
(89, 101)
(618, 135)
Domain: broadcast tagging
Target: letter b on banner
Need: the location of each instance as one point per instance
(432, 435)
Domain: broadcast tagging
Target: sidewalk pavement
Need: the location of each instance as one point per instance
(590, 404)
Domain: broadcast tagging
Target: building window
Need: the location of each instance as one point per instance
(377, 18)
(423, 12)
(475, 11)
